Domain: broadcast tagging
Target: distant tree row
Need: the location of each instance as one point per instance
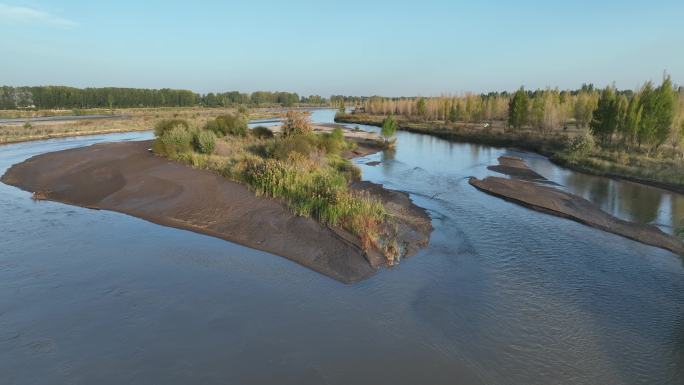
(60, 97)
(69, 97)
(465, 108)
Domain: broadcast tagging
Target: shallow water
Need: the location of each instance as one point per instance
(503, 294)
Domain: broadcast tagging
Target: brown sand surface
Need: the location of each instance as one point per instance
(517, 168)
(126, 177)
(557, 202)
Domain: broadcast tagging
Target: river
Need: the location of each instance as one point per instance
(503, 294)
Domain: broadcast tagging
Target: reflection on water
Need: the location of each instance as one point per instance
(626, 200)
(503, 295)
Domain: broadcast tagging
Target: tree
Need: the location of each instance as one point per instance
(552, 111)
(389, 127)
(622, 107)
(453, 113)
(421, 108)
(665, 112)
(518, 109)
(605, 117)
(632, 119)
(584, 106)
(536, 115)
(658, 113)
(647, 122)
(341, 109)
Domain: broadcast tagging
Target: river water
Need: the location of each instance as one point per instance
(503, 294)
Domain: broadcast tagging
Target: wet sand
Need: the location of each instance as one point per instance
(517, 168)
(127, 178)
(557, 202)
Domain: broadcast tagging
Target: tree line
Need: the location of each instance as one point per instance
(61, 97)
(647, 117)
(464, 108)
(55, 97)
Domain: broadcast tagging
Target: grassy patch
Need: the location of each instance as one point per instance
(304, 170)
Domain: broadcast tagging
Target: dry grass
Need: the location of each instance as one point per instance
(138, 119)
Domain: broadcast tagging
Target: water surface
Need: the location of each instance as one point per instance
(503, 294)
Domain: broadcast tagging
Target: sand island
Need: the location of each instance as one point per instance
(290, 191)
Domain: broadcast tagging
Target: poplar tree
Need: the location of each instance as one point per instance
(632, 119)
(665, 111)
(605, 117)
(421, 107)
(518, 109)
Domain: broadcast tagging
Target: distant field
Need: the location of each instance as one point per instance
(45, 124)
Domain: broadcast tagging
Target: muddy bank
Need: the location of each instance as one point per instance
(127, 178)
(554, 201)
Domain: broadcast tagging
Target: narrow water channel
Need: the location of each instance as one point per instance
(503, 294)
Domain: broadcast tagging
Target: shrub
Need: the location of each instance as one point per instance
(174, 141)
(262, 132)
(167, 124)
(582, 145)
(204, 142)
(282, 148)
(333, 142)
(229, 124)
(296, 123)
(28, 125)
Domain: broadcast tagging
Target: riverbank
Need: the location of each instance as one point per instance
(630, 167)
(128, 178)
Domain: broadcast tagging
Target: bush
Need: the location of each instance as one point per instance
(204, 142)
(167, 124)
(582, 145)
(296, 123)
(333, 142)
(282, 148)
(262, 132)
(229, 124)
(174, 141)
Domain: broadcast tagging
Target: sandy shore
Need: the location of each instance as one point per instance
(532, 194)
(126, 177)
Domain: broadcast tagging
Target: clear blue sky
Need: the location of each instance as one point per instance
(365, 47)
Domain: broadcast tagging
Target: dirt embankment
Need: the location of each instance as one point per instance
(126, 177)
(532, 194)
